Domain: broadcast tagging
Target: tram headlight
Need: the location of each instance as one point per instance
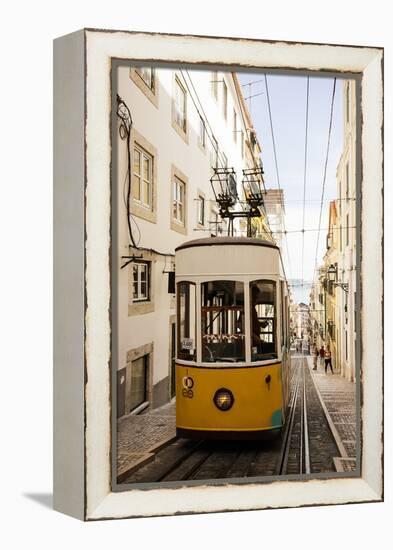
(223, 399)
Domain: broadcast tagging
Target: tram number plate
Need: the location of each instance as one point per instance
(187, 343)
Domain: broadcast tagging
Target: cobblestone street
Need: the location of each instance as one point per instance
(136, 434)
(140, 436)
(339, 397)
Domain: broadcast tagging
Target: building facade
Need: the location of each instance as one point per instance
(275, 210)
(318, 309)
(346, 263)
(332, 311)
(335, 282)
(184, 124)
(300, 326)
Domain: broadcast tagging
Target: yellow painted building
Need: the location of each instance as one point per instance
(334, 300)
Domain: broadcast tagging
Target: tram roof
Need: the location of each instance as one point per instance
(214, 241)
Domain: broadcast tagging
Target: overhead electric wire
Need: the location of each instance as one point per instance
(251, 82)
(205, 119)
(245, 126)
(325, 170)
(273, 201)
(253, 95)
(255, 166)
(276, 165)
(316, 230)
(305, 169)
(127, 197)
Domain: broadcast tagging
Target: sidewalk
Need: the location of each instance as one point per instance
(339, 396)
(138, 433)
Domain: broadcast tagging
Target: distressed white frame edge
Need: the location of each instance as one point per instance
(69, 274)
(99, 501)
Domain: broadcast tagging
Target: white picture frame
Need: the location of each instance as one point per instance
(82, 374)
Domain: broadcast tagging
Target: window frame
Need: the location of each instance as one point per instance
(201, 209)
(275, 353)
(178, 199)
(139, 209)
(225, 322)
(151, 93)
(187, 320)
(147, 266)
(224, 99)
(139, 72)
(282, 324)
(183, 126)
(202, 133)
(150, 183)
(214, 153)
(177, 224)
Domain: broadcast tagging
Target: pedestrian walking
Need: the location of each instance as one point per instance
(328, 360)
(315, 354)
(322, 355)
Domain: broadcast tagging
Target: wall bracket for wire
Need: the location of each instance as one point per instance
(130, 259)
(124, 114)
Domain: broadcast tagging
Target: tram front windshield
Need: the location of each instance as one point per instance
(223, 325)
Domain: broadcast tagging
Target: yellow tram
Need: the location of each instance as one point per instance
(232, 355)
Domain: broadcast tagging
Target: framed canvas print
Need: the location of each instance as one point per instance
(218, 274)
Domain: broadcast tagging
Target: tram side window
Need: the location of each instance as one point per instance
(263, 320)
(186, 326)
(282, 312)
(223, 328)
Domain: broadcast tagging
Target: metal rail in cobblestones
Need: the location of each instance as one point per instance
(335, 434)
(308, 445)
(282, 463)
(295, 451)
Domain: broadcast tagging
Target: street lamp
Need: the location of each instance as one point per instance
(332, 273)
(253, 188)
(332, 277)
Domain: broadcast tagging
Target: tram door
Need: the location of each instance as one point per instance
(173, 361)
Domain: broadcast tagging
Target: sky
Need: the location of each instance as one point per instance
(288, 99)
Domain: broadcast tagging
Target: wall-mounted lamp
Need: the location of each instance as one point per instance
(332, 277)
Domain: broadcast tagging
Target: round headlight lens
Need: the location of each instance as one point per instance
(223, 399)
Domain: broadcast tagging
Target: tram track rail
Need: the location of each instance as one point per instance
(302, 442)
(306, 446)
(295, 443)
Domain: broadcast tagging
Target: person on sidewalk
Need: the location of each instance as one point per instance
(315, 354)
(322, 355)
(328, 360)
